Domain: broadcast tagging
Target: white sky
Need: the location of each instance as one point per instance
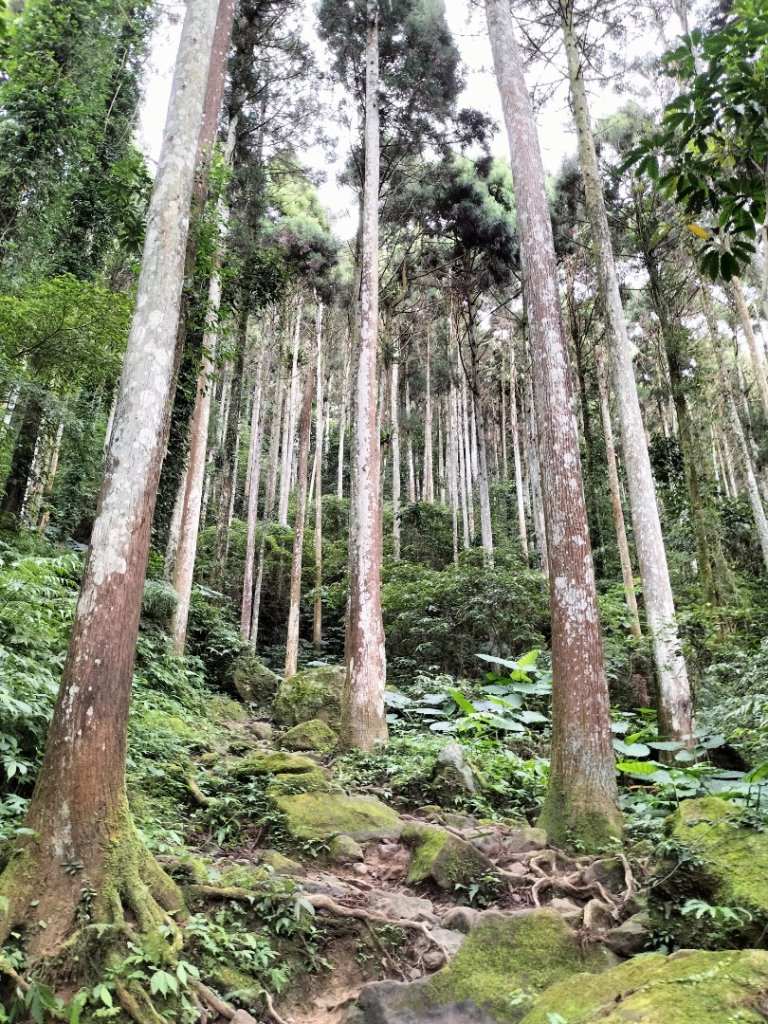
(555, 131)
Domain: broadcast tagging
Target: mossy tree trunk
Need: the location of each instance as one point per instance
(86, 858)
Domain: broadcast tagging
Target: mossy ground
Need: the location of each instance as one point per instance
(318, 816)
(314, 693)
(719, 861)
(696, 988)
(507, 961)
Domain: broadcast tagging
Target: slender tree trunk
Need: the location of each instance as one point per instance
(344, 399)
(317, 621)
(618, 511)
(289, 421)
(756, 355)
(732, 411)
(534, 474)
(522, 526)
(23, 457)
(582, 802)
(254, 467)
(294, 607)
(675, 703)
(469, 490)
(364, 722)
(394, 404)
(79, 811)
(452, 469)
(441, 454)
(429, 479)
(180, 564)
(411, 459)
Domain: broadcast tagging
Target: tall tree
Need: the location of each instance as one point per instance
(364, 721)
(675, 704)
(581, 805)
(79, 811)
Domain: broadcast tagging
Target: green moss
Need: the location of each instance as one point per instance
(507, 961)
(572, 823)
(325, 815)
(312, 735)
(314, 693)
(427, 842)
(224, 709)
(446, 860)
(696, 988)
(232, 982)
(244, 876)
(720, 862)
(254, 682)
(314, 781)
(273, 763)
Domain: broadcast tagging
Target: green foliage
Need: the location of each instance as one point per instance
(438, 621)
(712, 138)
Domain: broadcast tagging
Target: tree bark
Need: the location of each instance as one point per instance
(394, 406)
(581, 805)
(79, 811)
(522, 526)
(294, 607)
(674, 693)
(289, 421)
(364, 722)
(254, 466)
(616, 506)
(429, 477)
(317, 616)
(755, 352)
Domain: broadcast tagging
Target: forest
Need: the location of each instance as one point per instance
(383, 512)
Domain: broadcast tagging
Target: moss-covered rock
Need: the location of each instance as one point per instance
(312, 735)
(271, 763)
(721, 862)
(325, 815)
(691, 988)
(314, 693)
(502, 967)
(254, 682)
(443, 858)
(316, 780)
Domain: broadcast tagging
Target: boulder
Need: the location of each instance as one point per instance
(314, 693)
(254, 682)
(262, 731)
(567, 909)
(631, 937)
(698, 988)
(395, 905)
(501, 967)
(524, 840)
(453, 777)
(281, 864)
(462, 919)
(287, 773)
(344, 850)
(325, 815)
(443, 858)
(312, 735)
(719, 861)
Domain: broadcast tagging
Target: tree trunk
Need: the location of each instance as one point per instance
(317, 617)
(344, 399)
(230, 451)
(364, 722)
(756, 355)
(467, 449)
(23, 457)
(289, 421)
(675, 703)
(254, 467)
(79, 811)
(618, 511)
(429, 478)
(581, 805)
(522, 526)
(394, 406)
(294, 607)
(411, 460)
(732, 411)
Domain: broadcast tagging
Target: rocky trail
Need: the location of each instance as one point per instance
(433, 915)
